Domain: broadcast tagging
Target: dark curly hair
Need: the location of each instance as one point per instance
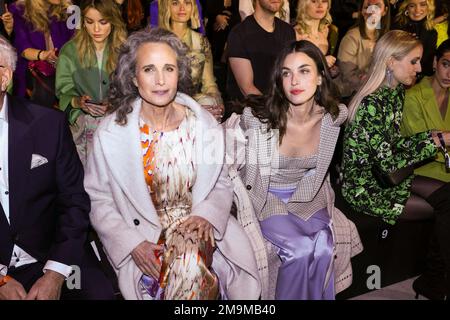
(273, 107)
(123, 92)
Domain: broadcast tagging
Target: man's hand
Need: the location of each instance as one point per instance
(12, 290)
(145, 255)
(47, 287)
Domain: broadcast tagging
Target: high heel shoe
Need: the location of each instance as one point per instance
(432, 290)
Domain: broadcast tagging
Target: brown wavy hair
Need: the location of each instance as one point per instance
(135, 14)
(122, 91)
(84, 43)
(273, 108)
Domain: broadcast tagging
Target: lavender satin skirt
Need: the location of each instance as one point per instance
(305, 249)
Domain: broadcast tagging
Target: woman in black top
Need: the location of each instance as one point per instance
(416, 16)
(222, 16)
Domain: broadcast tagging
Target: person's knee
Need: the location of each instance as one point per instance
(440, 199)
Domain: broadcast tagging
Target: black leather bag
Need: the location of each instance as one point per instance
(391, 179)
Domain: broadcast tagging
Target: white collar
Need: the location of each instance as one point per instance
(4, 110)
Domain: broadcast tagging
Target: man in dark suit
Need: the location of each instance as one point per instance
(44, 209)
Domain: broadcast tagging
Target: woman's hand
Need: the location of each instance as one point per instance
(95, 110)
(146, 256)
(49, 55)
(330, 60)
(221, 22)
(445, 135)
(440, 19)
(202, 226)
(8, 20)
(217, 111)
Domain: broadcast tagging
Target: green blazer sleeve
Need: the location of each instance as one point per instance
(390, 152)
(64, 83)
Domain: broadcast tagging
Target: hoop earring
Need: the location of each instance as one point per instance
(406, 13)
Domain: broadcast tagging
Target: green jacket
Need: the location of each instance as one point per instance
(373, 137)
(75, 80)
(421, 113)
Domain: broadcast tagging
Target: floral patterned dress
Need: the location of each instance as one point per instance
(170, 173)
(373, 137)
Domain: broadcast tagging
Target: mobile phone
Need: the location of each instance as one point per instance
(94, 102)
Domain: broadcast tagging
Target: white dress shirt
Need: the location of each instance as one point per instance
(246, 9)
(19, 257)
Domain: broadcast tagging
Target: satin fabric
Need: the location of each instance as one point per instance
(305, 249)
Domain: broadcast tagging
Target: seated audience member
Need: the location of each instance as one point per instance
(154, 14)
(44, 209)
(161, 197)
(40, 31)
(441, 26)
(252, 48)
(222, 16)
(84, 66)
(416, 17)
(247, 8)
(313, 23)
(427, 108)
(377, 164)
(181, 17)
(135, 13)
(355, 50)
(303, 242)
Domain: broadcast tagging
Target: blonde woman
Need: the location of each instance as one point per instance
(85, 63)
(182, 18)
(313, 23)
(40, 30)
(417, 17)
(374, 148)
(355, 50)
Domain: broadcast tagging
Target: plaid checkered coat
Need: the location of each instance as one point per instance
(250, 156)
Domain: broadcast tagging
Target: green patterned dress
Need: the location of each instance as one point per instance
(373, 137)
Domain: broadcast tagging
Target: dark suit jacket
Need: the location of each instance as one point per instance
(49, 208)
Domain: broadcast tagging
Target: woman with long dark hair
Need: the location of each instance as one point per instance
(285, 142)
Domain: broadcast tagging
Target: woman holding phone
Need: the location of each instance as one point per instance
(85, 63)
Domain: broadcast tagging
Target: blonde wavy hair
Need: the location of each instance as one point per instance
(300, 21)
(38, 12)
(164, 15)
(394, 44)
(84, 43)
(402, 19)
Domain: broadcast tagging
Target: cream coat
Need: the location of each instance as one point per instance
(123, 214)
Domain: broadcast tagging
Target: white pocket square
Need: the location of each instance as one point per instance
(37, 160)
